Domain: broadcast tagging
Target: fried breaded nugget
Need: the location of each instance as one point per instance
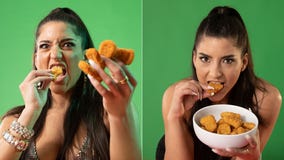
(248, 125)
(235, 122)
(239, 130)
(87, 69)
(224, 128)
(109, 49)
(230, 114)
(56, 71)
(232, 119)
(209, 123)
(216, 88)
(124, 55)
(229, 123)
(92, 54)
(220, 121)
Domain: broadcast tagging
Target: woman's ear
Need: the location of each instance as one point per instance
(245, 62)
(35, 62)
(194, 57)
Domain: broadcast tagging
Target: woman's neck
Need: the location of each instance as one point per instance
(60, 101)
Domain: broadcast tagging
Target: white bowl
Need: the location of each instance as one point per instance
(220, 141)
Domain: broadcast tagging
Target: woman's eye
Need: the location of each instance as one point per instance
(204, 59)
(228, 61)
(43, 46)
(67, 45)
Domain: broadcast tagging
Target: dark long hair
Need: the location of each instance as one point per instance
(226, 22)
(85, 102)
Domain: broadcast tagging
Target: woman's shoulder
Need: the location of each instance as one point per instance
(6, 122)
(16, 111)
(269, 101)
(169, 91)
(9, 116)
(268, 93)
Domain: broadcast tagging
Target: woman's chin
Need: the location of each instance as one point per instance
(217, 98)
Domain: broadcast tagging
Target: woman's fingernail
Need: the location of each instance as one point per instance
(90, 77)
(194, 93)
(209, 87)
(93, 64)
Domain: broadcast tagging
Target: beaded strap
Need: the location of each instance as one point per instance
(20, 145)
(23, 131)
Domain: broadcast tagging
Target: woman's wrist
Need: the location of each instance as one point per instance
(28, 117)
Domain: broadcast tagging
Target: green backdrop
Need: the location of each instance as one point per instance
(168, 33)
(163, 30)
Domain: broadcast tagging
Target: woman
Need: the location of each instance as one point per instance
(221, 54)
(73, 116)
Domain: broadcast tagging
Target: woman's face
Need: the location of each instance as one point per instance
(58, 45)
(218, 60)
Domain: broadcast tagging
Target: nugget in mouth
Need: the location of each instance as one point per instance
(56, 71)
(216, 88)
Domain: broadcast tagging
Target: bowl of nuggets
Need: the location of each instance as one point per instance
(224, 126)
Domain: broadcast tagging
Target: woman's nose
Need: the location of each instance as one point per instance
(56, 52)
(216, 71)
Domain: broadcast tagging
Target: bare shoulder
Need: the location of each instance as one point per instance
(269, 101)
(270, 95)
(6, 122)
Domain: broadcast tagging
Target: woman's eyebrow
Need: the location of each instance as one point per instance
(44, 41)
(228, 56)
(68, 39)
(203, 54)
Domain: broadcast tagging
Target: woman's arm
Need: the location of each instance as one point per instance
(116, 100)
(178, 100)
(123, 143)
(8, 151)
(269, 108)
(34, 100)
(178, 140)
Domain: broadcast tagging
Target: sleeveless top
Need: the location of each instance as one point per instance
(83, 154)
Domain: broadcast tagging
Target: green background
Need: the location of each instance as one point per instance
(168, 34)
(163, 30)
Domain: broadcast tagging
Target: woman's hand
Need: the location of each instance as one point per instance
(249, 152)
(185, 94)
(34, 88)
(119, 87)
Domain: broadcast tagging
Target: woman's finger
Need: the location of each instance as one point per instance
(99, 87)
(131, 79)
(105, 77)
(123, 80)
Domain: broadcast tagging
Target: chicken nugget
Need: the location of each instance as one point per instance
(87, 69)
(124, 55)
(92, 54)
(216, 88)
(248, 125)
(56, 71)
(231, 114)
(235, 122)
(109, 49)
(209, 123)
(240, 130)
(220, 121)
(224, 128)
